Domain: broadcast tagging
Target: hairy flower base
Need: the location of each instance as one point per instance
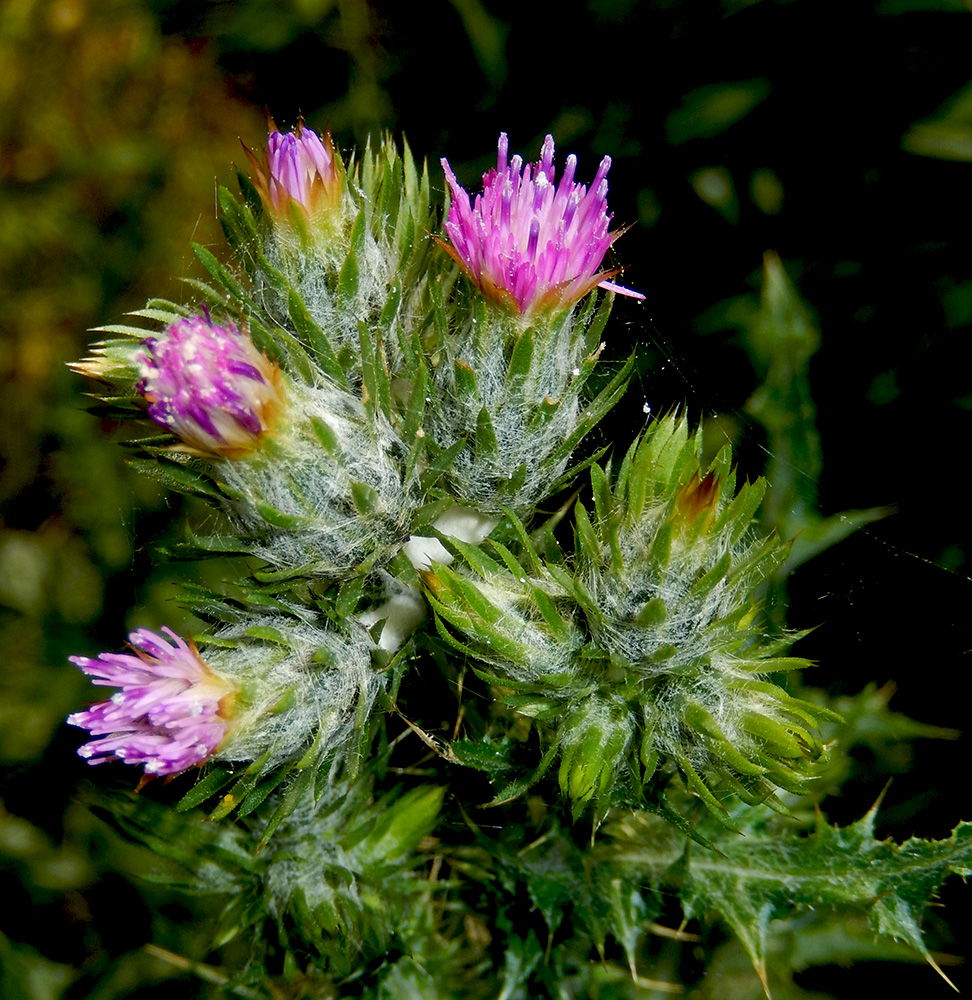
(170, 711)
(530, 243)
(209, 385)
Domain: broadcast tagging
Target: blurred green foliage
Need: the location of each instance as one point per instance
(709, 110)
(110, 134)
(947, 135)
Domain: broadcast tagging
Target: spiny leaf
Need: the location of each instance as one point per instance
(316, 338)
(762, 875)
(204, 788)
(175, 477)
(221, 274)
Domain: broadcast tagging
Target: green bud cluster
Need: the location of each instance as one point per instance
(648, 644)
(336, 876)
(406, 424)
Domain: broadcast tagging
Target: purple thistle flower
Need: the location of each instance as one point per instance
(170, 712)
(299, 167)
(209, 385)
(530, 243)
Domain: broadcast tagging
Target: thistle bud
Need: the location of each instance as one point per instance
(209, 385)
(264, 691)
(697, 502)
(171, 710)
(594, 739)
(666, 583)
(298, 168)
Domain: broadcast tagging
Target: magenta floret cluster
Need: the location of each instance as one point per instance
(528, 241)
(209, 385)
(300, 168)
(166, 714)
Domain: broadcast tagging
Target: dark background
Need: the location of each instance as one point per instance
(833, 133)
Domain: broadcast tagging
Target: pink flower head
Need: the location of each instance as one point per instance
(209, 385)
(170, 712)
(299, 167)
(528, 242)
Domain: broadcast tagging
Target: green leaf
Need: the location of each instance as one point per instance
(299, 360)
(204, 788)
(709, 110)
(358, 232)
(326, 436)
(587, 544)
(466, 387)
(762, 875)
(595, 411)
(377, 389)
(280, 519)
(520, 361)
(484, 754)
(25, 974)
(592, 336)
(221, 274)
(440, 464)
(365, 498)
(399, 828)
(176, 477)
(316, 338)
(298, 790)
(486, 447)
(238, 224)
(348, 278)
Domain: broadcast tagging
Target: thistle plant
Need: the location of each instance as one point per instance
(387, 407)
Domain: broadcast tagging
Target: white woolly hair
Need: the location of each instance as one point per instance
(546, 655)
(475, 479)
(302, 480)
(607, 715)
(688, 615)
(292, 693)
(314, 274)
(697, 672)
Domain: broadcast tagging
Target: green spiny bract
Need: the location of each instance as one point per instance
(301, 686)
(360, 263)
(648, 643)
(336, 876)
(515, 393)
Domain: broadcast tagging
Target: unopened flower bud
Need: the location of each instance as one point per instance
(298, 167)
(699, 498)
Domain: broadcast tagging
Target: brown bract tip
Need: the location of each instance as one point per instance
(698, 498)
